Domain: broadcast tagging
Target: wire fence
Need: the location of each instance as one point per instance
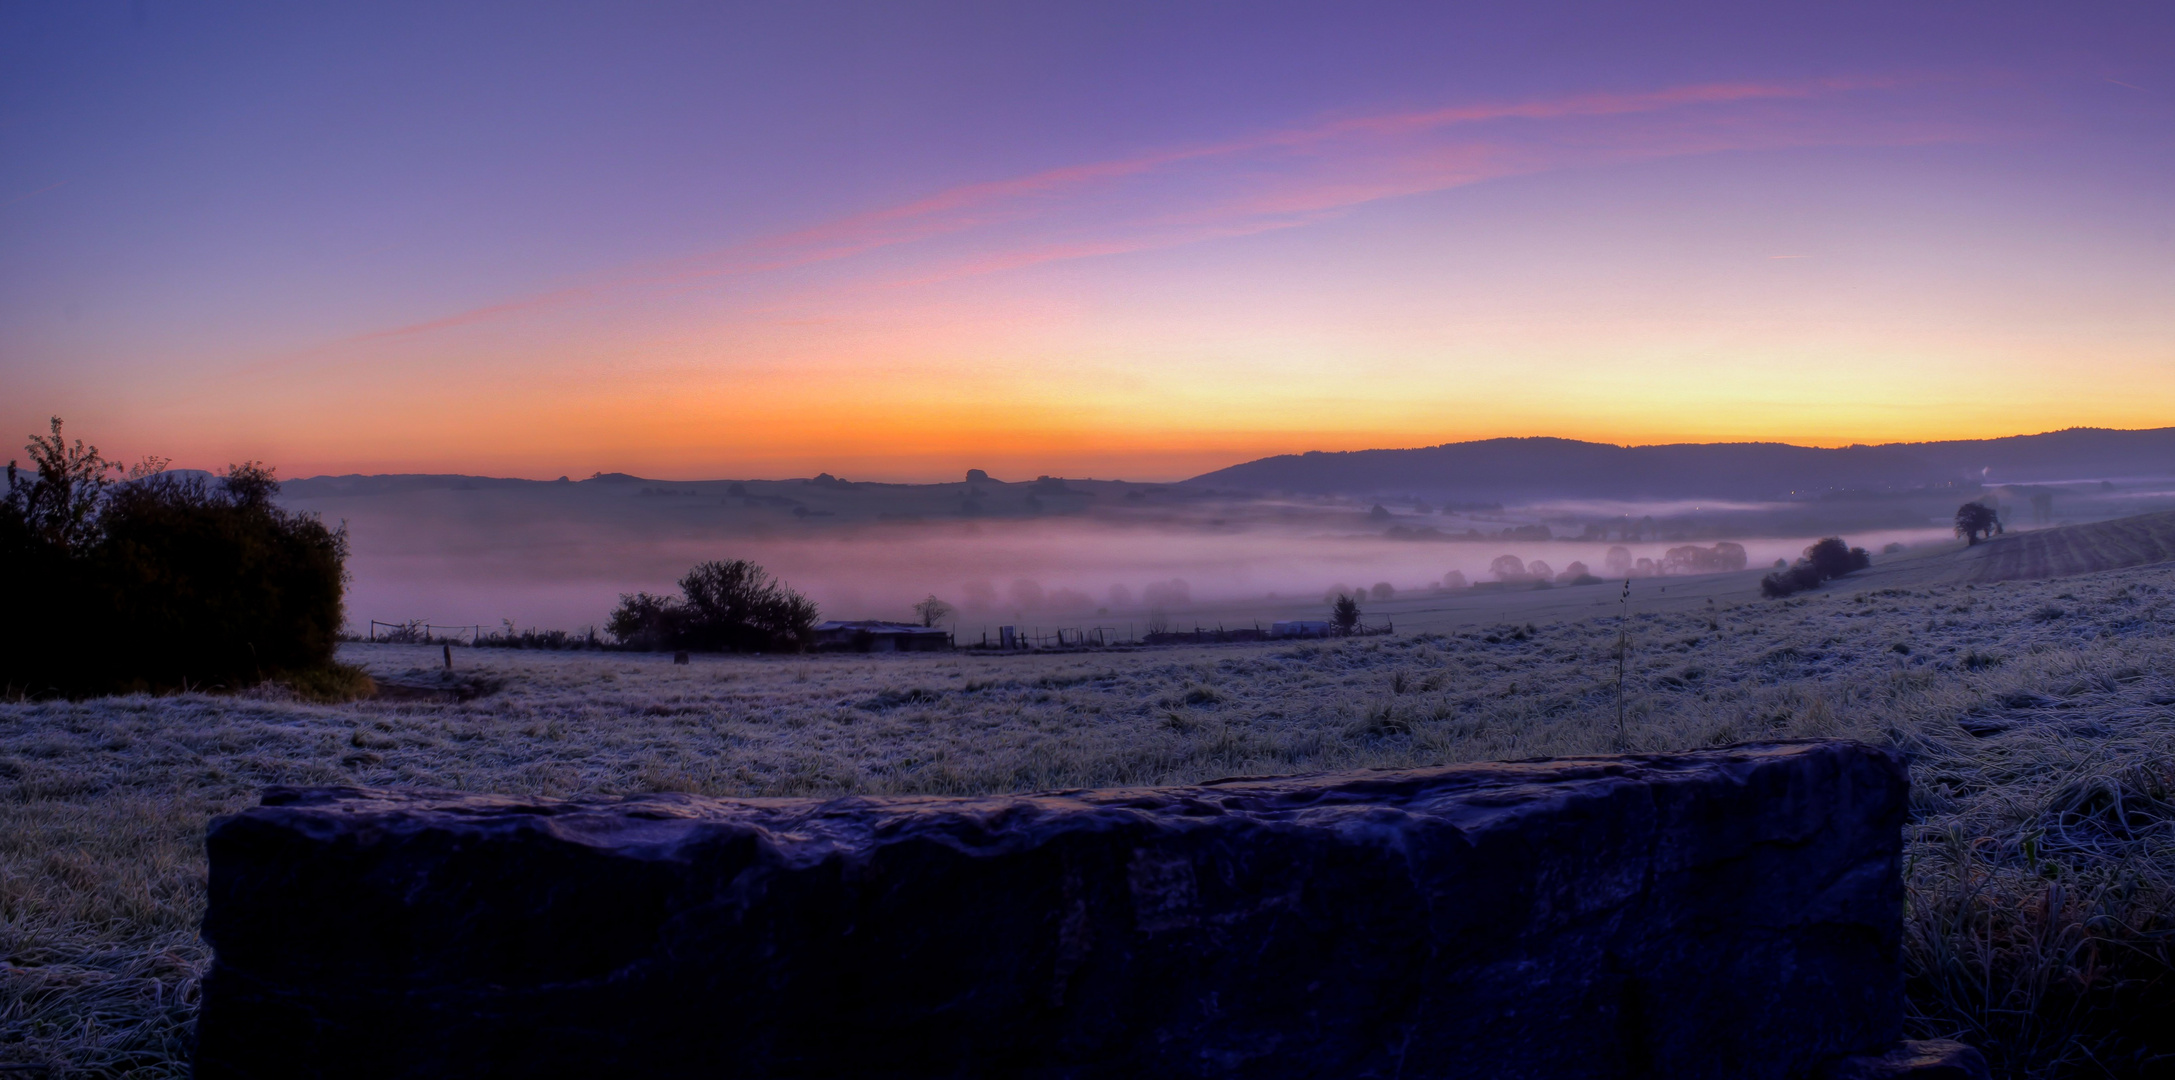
(418, 632)
(1041, 639)
(1006, 638)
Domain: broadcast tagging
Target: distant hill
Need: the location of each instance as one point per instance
(1525, 470)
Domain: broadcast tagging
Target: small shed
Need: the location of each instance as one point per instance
(1302, 628)
(874, 635)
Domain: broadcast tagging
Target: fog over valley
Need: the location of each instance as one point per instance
(457, 550)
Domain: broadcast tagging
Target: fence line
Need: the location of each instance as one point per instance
(1025, 638)
(417, 632)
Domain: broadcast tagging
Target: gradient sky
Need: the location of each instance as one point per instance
(896, 241)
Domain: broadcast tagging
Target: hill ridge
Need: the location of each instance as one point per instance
(1544, 467)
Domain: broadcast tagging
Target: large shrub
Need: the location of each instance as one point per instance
(1830, 558)
(730, 606)
(1345, 614)
(158, 580)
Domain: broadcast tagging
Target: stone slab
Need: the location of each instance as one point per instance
(1727, 913)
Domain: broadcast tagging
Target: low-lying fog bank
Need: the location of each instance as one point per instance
(455, 550)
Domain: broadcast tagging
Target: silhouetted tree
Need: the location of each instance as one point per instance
(157, 581)
(932, 610)
(1345, 614)
(645, 621)
(59, 505)
(1974, 519)
(727, 606)
(218, 583)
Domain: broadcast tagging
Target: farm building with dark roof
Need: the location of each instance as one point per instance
(872, 635)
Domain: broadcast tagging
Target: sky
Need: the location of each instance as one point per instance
(897, 241)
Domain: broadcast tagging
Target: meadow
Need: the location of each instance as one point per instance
(2041, 868)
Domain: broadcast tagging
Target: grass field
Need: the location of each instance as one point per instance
(2040, 717)
(2071, 549)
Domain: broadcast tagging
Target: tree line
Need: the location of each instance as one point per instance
(139, 578)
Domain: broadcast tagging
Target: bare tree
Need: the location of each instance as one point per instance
(932, 610)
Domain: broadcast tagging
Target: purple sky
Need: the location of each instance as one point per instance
(896, 241)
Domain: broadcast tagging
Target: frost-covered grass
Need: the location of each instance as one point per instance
(2040, 868)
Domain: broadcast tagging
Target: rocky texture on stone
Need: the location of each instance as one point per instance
(1914, 1059)
(1728, 913)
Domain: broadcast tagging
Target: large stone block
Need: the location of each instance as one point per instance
(1729, 913)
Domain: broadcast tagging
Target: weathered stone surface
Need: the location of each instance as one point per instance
(1730, 913)
(1912, 1059)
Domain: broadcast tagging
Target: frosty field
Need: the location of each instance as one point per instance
(2040, 717)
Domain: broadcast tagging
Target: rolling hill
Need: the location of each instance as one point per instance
(2068, 550)
(1529, 469)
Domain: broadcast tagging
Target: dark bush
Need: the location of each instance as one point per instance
(646, 621)
(160, 581)
(1345, 614)
(733, 606)
(553, 640)
(1797, 578)
(1830, 558)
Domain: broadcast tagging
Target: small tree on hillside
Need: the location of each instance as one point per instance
(932, 610)
(1345, 614)
(1976, 519)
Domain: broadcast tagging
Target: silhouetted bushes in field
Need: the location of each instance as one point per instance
(158, 580)
(532, 638)
(1830, 558)
(733, 606)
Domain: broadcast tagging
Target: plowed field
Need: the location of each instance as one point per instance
(2047, 553)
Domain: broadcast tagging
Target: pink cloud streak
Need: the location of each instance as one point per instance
(1384, 168)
